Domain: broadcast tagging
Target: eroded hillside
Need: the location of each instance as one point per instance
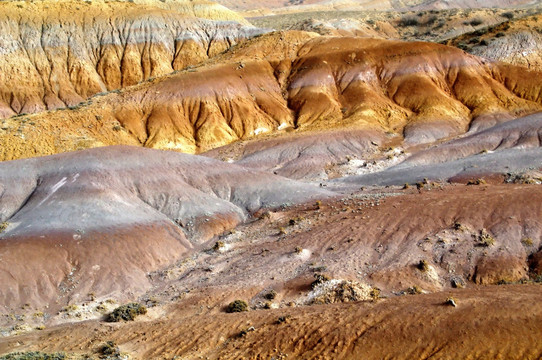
(270, 7)
(516, 42)
(291, 81)
(57, 54)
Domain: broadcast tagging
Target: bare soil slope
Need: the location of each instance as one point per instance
(98, 221)
(376, 241)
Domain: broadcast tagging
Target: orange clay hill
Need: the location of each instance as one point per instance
(190, 186)
(291, 81)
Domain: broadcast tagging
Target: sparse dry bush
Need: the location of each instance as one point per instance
(271, 295)
(476, 182)
(219, 245)
(374, 293)
(110, 351)
(485, 239)
(409, 21)
(423, 265)
(237, 306)
(3, 226)
(319, 279)
(33, 355)
(284, 319)
(127, 312)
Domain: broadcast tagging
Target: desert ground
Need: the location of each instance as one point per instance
(270, 180)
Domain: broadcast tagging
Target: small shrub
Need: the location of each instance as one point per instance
(127, 312)
(481, 32)
(414, 290)
(109, 350)
(484, 42)
(500, 34)
(244, 332)
(237, 306)
(267, 305)
(296, 220)
(70, 308)
(476, 22)
(409, 21)
(33, 355)
(431, 20)
(527, 241)
(485, 239)
(298, 250)
(423, 265)
(440, 24)
(509, 15)
(463, 46)
(476, 182)
(284, 319)
(375, 294)
(219, 245)
(459, 227)
(271, 295)
(319, 279)
(3, 226)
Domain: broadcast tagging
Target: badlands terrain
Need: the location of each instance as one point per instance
(270, 180)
